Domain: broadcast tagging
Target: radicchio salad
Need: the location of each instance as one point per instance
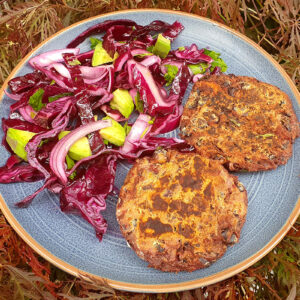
(77, 114)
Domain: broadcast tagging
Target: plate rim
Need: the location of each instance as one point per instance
(137, 287)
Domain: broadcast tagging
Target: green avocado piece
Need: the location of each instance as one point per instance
(17, 140)
(162, 46)
(122, 101)
(101, 56)
(80, 149)
(114, 134)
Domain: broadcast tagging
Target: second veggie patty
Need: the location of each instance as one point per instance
(241, 122)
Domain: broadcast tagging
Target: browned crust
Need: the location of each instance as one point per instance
(240, 121)
(179, 211)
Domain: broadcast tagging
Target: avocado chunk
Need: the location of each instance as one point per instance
(122, 101)
(162, 46)
(101, 57)
(17, 140)
(114, 134)
(80, 149)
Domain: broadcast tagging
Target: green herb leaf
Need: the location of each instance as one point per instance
(70, 164)
(139, 104)
(181, 48)
(35, 101)
(127, 128)
(45, 141)
(171, 74)
(198, 68)
(150, 48)
(143, 55)
(95, 42)
(218, 62)
(55, 97)
(74, 62)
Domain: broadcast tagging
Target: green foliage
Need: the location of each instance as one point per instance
(198, 68)
(171, 74)
(139, 104)
(95, 42)
(218, 61)
(24, 24)
(35, 101)
(58, 96)
(74, 62)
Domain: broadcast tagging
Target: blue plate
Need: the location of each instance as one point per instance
(70, 242)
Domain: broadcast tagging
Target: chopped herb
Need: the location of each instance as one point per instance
(171, 74)
(45, 141)
(218, 62)
(105, 142)
(95, 42)
(74, 62)
(198, 68)
(35, 100)
(139, 104)
(70, 164)
(181, 48)
(127, 128)
(52, 82)
(150, 48)
(143, 55)
(55, 97)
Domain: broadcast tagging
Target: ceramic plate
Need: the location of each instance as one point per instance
(69, 241)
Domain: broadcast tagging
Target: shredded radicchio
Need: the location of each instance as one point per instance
(87, 194)
(18, 172)
(65, 92)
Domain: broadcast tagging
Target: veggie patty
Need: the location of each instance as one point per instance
(244, 123)
(180, 211)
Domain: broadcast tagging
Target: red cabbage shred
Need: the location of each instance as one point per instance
(74, 92)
